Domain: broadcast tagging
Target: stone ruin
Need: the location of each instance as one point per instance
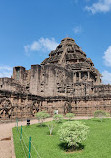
(66, 81)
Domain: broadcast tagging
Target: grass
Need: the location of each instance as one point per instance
(97, 145)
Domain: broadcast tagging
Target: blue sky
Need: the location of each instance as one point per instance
(30, 29)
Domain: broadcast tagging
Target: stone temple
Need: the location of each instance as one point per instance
(66, 81)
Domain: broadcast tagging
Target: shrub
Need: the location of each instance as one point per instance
(58, 118)
(69, 115)
(73, 133)
(101, 114)
(41, 116)
(51, 126)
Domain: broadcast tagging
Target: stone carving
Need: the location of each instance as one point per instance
(5, 108)
(67, 107)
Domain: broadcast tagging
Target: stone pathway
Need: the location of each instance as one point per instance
(6, 138)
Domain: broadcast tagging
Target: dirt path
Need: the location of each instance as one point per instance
(6, 138)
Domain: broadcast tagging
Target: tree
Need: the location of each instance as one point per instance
(69, 115)
(41, 116)
(101, 114)
(73, 133)
(58, 118)
(51, 127)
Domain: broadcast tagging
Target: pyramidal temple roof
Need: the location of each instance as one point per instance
(68, 49)
(70, 56)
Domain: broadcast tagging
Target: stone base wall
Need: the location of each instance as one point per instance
(78, 107)
(19, 105)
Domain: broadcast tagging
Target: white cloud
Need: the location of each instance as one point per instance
(6, 71)
(101, 6)
(107, 56)
(77, 29)
(106, 79)
(35, 46)
(43, 44)
(27, 47)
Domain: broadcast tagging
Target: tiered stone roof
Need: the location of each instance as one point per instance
(70, 56)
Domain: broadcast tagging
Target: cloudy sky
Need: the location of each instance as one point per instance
(30, 29)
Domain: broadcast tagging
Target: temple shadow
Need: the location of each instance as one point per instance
(99, 119)
(66, 148)
(43, 125)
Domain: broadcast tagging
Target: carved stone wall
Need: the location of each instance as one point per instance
(50, 80)
(12, 85)
(18, 105)
(80, 106)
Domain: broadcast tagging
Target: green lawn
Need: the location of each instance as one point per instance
(97, 145)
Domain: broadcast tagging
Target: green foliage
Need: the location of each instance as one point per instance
(97, 145)
(69, 115)
(101, 114)
(51, 126)
(58, 118)
(41, 116)
(73, 133)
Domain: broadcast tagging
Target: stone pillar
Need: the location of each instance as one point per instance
(88, 75)
(18, 73)
(35, 79)
(79, 76)
(98, 80)
(74, 77)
